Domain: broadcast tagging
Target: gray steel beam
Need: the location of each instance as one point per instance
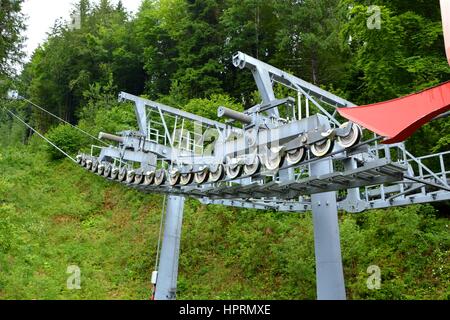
(329, 270)
(243, 60)
(353, 201)
(141, 115)
(223, 112)
(265, 87)
(166, 285)
(410, 199)
(170, 110)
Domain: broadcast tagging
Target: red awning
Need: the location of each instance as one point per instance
(398, 119)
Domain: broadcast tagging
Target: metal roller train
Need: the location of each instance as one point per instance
(235, 158)
(267, 151)
(255, 144)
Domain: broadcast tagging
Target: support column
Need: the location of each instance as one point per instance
(329, 271)
(166, 285)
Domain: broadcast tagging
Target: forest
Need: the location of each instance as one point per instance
(178, 52)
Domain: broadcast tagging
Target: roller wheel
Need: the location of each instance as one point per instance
(253, 168)
(186, 179)
(83, 162)
(273, 161)
(107, 171)
(114, 173)
(79, 159)
(138, 178)
(352, 139)
(88, 164)
(234, 171)
(217, 175)
(149, 178)
(130, 176)
(160, 177)
(122, 174)
(322, 148)
(296, 156)
(94, 166)
(202, 176)
(174, 177)
(101, 169)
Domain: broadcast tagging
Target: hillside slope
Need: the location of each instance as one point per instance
(55, 214)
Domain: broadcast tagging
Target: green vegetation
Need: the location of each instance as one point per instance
(70, 140)
(53, 214)
(11, 26)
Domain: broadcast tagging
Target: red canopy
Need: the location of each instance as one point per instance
(398, 119)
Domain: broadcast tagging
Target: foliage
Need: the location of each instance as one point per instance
(309, 40)
(65, 66)
(208, 107)
(111, 232)
(405, 55)
(53, 214)
(67, 138)
(11, 26)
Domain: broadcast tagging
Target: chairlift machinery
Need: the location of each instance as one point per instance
(293, 154)
(312, 151)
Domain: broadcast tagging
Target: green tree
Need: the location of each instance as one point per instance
(308, 41)
(199, 44)
(11, 39)
(249, 26)
(65, 66)
(404, 55)
(156, 44)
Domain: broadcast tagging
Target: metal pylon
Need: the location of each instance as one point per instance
(175, 156)
(166, 285)
(329, 271)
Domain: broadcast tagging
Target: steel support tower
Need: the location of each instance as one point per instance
(166, 288)
(289, 154)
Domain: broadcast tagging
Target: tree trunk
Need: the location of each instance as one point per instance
(314, 67)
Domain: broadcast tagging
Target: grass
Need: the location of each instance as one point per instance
(55, 214)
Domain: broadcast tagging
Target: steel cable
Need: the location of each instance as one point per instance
(39, 134)
(60, 119)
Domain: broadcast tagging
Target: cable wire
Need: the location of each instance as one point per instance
(60, 119)
(39, 134)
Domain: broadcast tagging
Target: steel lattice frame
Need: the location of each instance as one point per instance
(367, 175)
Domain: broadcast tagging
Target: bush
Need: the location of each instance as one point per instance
(67, 138)
(208, 107)
(6, 227)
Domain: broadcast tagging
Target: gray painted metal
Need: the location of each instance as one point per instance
(170, 110)
(329, 271)
(111, 137)
(309, 185)
(166, 285)
(235, 115)
(243, 60)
